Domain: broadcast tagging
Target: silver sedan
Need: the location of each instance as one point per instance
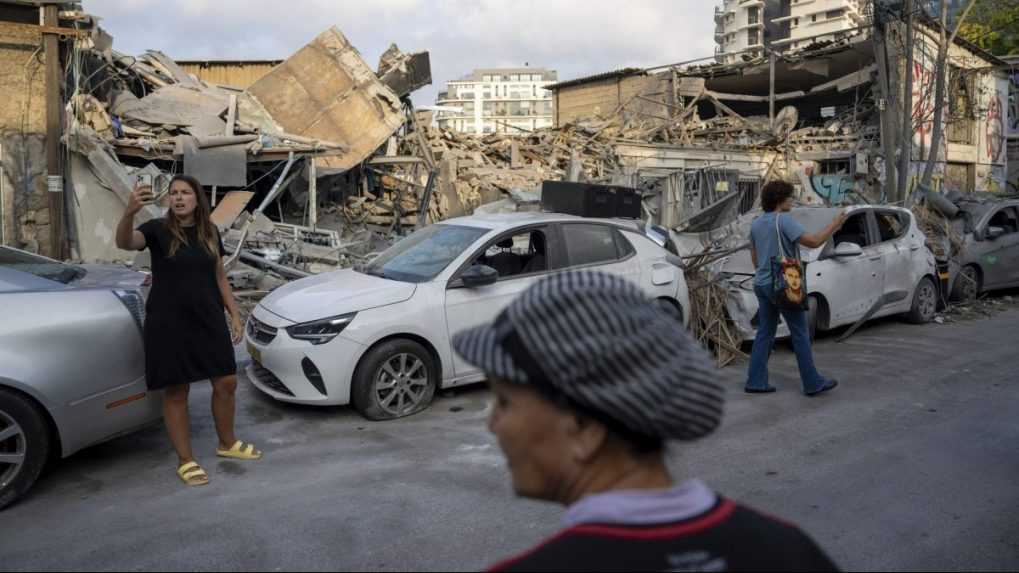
(71, 362)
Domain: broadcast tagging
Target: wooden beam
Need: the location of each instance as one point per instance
(49, 29)
(54, 109)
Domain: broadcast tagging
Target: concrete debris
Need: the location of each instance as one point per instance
(255, 151)
(404, 73)
(326, 92)
(323, 162)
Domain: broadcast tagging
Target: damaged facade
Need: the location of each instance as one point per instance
(24, 207)
(1013, 124)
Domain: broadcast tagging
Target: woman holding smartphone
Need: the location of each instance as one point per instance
(187, 338)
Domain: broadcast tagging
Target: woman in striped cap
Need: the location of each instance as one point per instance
(590, 380)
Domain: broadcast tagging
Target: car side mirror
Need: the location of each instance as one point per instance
(479, 276)
(993, 233)
(847, 250)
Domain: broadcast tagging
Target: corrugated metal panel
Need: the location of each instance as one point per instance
(234, 73)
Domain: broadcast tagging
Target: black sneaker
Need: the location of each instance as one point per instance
(765, 390)
(830, 385)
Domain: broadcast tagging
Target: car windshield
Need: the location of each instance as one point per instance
(39, 266)
(424, 254)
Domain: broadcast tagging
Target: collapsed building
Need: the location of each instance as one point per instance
(318, 161)
(701, 140)
(812, 117)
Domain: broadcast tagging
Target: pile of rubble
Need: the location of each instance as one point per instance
(473, 171)
(261, 150)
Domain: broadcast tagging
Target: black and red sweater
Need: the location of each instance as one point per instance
(728, 537)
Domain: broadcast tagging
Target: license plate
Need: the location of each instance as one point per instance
(255, 353)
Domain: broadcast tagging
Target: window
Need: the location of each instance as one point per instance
(425, 253)
(1006, 219)
(487, 78)
(796, 22)
(40, 266)
(813, 18)
(521, 254)
(514, 77)
(854, 231)
(623, 246)
(836, 167)
(590, 244)
(753, 36)
(753, 15)
(961, 117)
(891, 226)
(832, 14)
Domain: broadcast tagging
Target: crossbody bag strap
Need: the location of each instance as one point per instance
(778, 234)
(781, 243)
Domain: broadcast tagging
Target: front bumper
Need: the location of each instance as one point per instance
(278, 366)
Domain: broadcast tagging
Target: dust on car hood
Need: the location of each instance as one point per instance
(335, 293)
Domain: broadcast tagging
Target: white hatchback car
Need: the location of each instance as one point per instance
(879, 260)
(379, 337)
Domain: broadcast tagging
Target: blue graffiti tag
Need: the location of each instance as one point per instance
(833, 188)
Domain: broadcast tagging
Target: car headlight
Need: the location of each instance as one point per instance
(320, 331)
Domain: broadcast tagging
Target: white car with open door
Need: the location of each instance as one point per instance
(878, 264)
(379, 337)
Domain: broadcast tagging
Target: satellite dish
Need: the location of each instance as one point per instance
(785, 122)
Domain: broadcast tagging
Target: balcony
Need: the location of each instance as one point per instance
(719, 15)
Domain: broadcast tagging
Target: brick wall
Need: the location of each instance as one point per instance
(23, 211)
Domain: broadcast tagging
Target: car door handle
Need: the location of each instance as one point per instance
(877, 258)
(915, 248)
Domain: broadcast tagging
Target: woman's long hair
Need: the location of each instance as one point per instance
(208, 236)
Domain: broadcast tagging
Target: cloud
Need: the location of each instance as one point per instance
(574, 37)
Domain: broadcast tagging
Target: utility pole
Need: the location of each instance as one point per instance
(771, 92)
(54, 179)
(886, 103)
(907, 131)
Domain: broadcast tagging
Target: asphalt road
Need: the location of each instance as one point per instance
(911, 464)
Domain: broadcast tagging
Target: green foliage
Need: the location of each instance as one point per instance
(994, 26)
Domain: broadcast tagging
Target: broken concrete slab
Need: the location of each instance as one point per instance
(229, 208)
(327, 91)
(225, 166)
(172, 105)
(405, 73)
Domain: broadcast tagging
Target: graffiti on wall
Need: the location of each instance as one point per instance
(995, 130)
(1013, 105)
(833, 188)
(923, 102)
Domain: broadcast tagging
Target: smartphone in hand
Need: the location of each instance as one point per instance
(144, 182)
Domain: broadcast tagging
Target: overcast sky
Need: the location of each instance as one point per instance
(574, 37)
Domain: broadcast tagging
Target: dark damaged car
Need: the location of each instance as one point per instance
(989, 257)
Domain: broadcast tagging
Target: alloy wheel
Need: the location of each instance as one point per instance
(401, 384)
(928, 302)
(12, 449)
(969, 284)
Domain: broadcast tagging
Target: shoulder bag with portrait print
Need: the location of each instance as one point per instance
(788, 276)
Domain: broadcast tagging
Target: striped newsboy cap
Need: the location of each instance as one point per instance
(600, 342)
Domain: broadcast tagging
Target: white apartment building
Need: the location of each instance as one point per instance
(744, 28)
(739, 30)
(508, 100)
(810, 21)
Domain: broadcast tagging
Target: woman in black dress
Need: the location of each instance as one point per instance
(187, 338)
